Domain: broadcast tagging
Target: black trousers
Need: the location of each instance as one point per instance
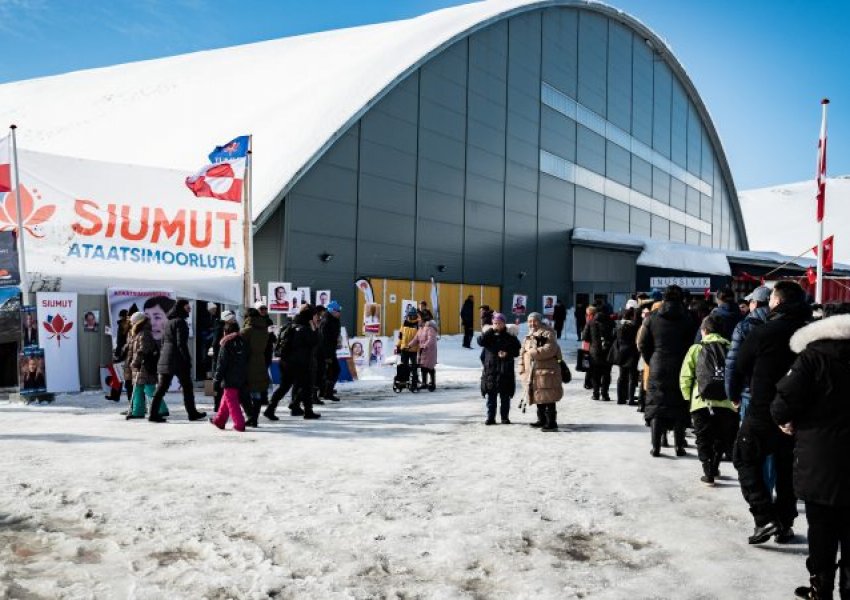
(282, 389)
(302, 389)
(504, 401)
(627, 383)
(600, 373)
(660, 426)
(829, 528)
(559, 328)
(467, 335)
(410, 358)
(164, 382)
(715, 430)
(756, 441)
(429, 374)
(331, 376)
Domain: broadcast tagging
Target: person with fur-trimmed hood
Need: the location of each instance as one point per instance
(426, 339)
(811, 404)
(540, 371)
(142, 358)
(500, 348)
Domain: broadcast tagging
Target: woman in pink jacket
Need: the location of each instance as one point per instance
(426, 338)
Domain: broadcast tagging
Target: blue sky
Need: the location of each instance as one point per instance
(761, 66)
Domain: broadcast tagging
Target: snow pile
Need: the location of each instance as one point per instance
(387, 496)
(782, 218)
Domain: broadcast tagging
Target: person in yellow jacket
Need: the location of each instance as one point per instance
(702, 381)
(406, 345)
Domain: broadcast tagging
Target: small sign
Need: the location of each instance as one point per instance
(687, 283)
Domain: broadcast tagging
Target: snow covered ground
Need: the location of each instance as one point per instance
(387, 496)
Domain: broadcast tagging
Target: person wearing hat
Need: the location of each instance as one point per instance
(329, 332)
(541, 372)
(498, 382)
(142, 357)
(256, 335)
(301, 360)
(406, 345)
(737, 389)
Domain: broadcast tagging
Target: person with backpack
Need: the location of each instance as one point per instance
(500, 346)
(703, 383)
(231, 376)
(599, 334)
(625, 355)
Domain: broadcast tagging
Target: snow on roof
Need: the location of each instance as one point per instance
(661, 254)
(782, 218)
(296, 95)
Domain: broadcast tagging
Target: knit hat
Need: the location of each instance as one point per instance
(259, 304)
(760, 294)
(138, 317)
(211, 305)
(333, 306)
(228, 315)
(499, 317)
(411, 311)
(535, 315)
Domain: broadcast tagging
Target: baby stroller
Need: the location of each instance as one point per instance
(404, 378)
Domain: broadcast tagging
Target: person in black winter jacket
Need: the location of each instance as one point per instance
(811, 404)
(329, 332)
(230, 376)
(626, 357)
(600, 335)
(301, 360)
(466, 315)
(559, 317)
(738, 390)
(176, 361)
(500, 348)
(728, 313)
(668, 334)
(763, 359)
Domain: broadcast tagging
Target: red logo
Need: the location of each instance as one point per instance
(57, 327)
(30, 217)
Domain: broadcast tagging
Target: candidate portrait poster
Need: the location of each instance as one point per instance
(304, 295)
(32, 375)
(294, 302)
(371, 318)
(29, 326)
(343, 350)
(58, 327)
(279, 297)
(359, 350)
(91, 321)
(156, 304)
(406, 305)
(519, 306)
(549, 301)
(323, 297)
(378, 349)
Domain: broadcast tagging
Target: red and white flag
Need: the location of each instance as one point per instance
(821, 174)
(222, 180)
(5, 165)
(828, 253)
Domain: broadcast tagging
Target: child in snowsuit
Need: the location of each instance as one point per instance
(231, 375)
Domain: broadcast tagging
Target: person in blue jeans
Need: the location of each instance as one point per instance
(498, 382)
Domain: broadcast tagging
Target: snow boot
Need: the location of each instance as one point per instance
(785, 535)
(762, 533)
(490, 421)
(551, 418)
(820, 587)
(309, 415)
(707, 480)
(541, 417)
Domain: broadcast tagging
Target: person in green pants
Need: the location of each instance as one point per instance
(143, 355)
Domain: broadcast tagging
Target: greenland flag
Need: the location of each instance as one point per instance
(5, 165)
(222, 180)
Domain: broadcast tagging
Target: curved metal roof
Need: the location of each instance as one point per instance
(296, 95)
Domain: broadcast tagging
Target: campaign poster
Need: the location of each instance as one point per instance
(366, 287)
(371, 318)
(91, 321)
(323, 297)
(520, 304)
(155, 302)
(359, 350)
(304, 295)
(10, 275)
(279, 297)
(342, 348)
(11, 323)
(29, 326)
(405, 306)
(294, 301)
(549, 305)
(33, 374)
(255, 289)
(57, 316)
(378, 348)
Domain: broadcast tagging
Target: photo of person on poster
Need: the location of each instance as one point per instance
(376, 353)
(29, 327)
(157, 308)
(280, 297)
(91, 321)
(519, 304)
(323, 297)
(372, 318)
(33, 379)
(358, 351)
(549, 305)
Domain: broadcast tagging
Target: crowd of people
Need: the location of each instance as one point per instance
(763, 382)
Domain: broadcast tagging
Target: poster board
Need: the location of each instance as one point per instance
(519, 305)
(323, 297)
(279, 297)
(549, 301)
(57, 316)
(371, 319)
(405, 305)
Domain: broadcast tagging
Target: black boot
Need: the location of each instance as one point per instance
(551, 418)
(432, 374)
(820, 587)
(270, 410)
(762, 533)
(541, 416)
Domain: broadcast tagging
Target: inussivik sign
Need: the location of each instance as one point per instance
(114, 225)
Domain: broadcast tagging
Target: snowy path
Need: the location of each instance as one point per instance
(406, 496)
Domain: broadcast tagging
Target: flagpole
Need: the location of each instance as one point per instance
(822, 200)
(247, 238)
(16, 186)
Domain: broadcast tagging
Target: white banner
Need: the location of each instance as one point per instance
(58, 326)
(91, 225)
(687, 283)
